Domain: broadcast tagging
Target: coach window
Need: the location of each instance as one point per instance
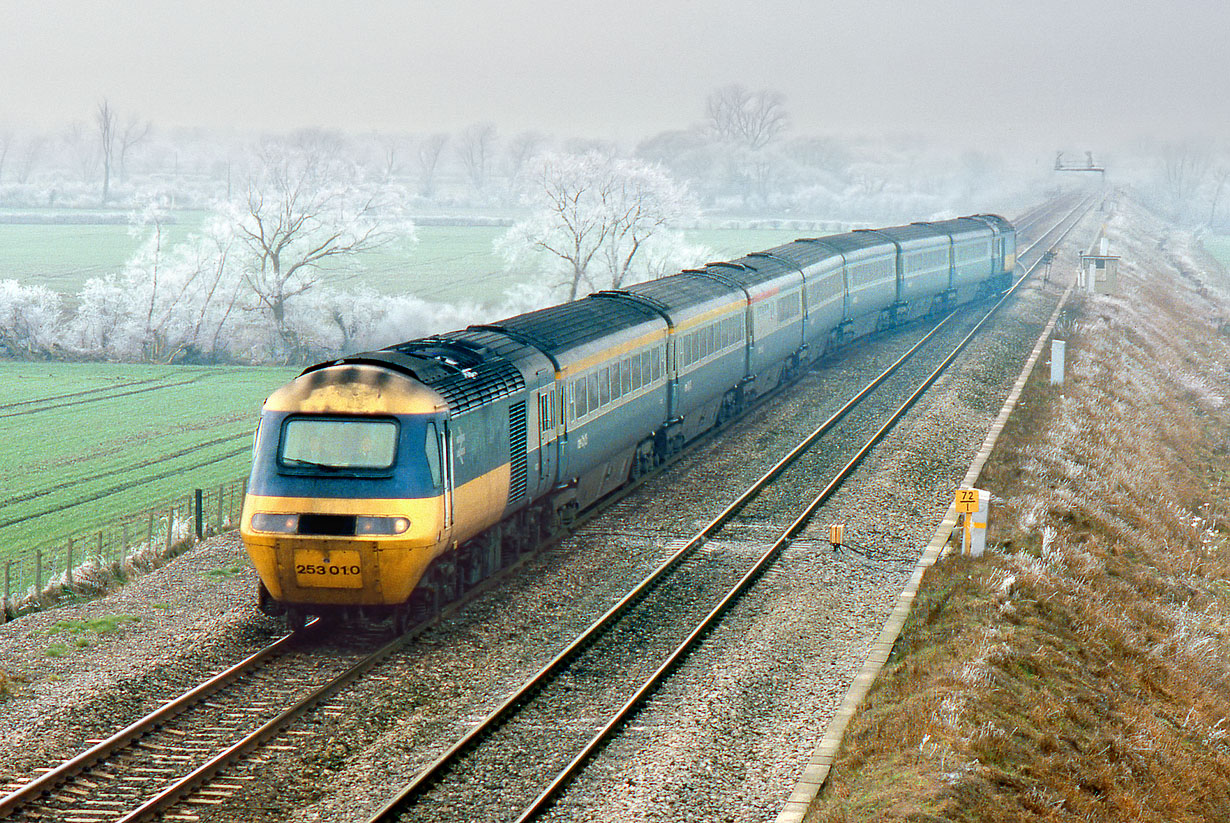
(626, 369)
(604, 387)
(579, 398)
(592, 383)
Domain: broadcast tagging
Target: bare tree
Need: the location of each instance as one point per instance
(1223, 174)
(1184, 166)
(134, 132)
(521, 150)
(105, 119)
(82, 148)
(303, 209)
(393, 147)
(429, 150)
(474, 148)
(29, 158)
(595, 211)
(6, 144)
(752, 119)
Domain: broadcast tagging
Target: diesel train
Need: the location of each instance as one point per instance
(388, 481)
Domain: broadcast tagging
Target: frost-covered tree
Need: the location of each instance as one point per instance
(29, 319)
(428, 155)
(474, 148)
(105, 119)
(6, 145)
(177, 303)
(305, 208)
(747, 118)
(596, 219)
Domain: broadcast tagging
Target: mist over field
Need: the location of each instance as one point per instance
(355, 180)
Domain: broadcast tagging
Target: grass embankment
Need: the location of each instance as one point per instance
(1079, 672)
(84, 442)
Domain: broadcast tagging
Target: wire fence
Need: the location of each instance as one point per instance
(115, 549)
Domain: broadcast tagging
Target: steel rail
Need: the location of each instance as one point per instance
(50, 780)
(548, 795)
(171, 795)
(433, 770)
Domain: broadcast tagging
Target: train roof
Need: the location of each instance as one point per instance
(466, 373)
(962, 225)
(804, 254)
(680, 296)
(559, 329)
(848, 242)
(999, 222)
(914, 231)
(754, 272)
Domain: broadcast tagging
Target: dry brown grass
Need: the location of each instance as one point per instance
(1080, 672)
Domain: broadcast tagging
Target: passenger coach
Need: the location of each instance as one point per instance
(386, 482)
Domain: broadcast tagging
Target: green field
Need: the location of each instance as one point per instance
(83, 443)
(1219, 247)
(448, 263)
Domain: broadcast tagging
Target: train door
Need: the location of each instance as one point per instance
(446, 462)
(548, 442)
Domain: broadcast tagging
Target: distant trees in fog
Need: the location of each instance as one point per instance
(266, 274)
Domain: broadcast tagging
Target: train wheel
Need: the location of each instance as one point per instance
(422, 605)
(403, 619)
(635, 470)
(296, 619)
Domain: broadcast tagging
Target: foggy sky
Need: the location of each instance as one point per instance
(1059, 73)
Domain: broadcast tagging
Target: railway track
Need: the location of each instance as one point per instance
(151, 764)
(646, 633)
(149, 767)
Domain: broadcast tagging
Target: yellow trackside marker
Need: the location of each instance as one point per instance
(974, 504)
(837, 533)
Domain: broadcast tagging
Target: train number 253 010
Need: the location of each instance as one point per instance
(310, 568)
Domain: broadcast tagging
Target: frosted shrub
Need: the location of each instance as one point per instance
(29, 316)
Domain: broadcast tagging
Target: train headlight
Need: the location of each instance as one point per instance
(277, 523)
(381, 525)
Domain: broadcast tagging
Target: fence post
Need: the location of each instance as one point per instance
(127, 543)
(170, 526)
(38, 572)
(199, 504)
(8, 585)
(68, 563)
(149, 538)
(221, 498)
(98, 553)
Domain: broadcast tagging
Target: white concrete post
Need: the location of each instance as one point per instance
(1057, 361)
(978, 525)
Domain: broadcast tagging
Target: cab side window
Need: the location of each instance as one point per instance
(431, 448)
